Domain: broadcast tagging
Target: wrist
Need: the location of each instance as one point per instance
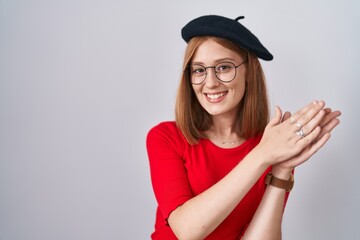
(265, 159)
(281, 173)
(280, 183)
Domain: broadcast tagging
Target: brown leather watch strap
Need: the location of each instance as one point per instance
(280, 183)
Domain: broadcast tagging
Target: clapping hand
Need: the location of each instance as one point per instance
(328, 122)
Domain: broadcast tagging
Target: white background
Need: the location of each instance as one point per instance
(82, 82)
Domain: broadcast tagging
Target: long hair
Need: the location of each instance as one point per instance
(253, 112)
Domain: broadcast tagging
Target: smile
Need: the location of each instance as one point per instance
(215, 97)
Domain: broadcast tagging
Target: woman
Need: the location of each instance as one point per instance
(222, 170)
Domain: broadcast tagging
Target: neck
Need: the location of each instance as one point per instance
(224, 127)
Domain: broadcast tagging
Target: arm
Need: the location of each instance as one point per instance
(200, 215)
(266, 223)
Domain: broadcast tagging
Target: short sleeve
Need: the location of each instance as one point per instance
(168, 173)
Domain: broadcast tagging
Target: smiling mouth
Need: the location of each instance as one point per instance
(215, 96)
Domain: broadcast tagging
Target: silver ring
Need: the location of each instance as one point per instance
(292, 120)
(301, 133)
(298, 125)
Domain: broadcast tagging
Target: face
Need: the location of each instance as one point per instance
(216, 97)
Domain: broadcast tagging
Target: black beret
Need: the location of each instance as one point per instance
(230, 29)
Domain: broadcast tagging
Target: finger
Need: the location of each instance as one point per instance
(286, 116)
(329, 116)
(277, 117)
(306, 108)
(317, 145)
(309, 112)
(313, 123)
(309, 138)
(310, 150)
(328, 127)
(327, 110)
(331, 125)
(326, 118)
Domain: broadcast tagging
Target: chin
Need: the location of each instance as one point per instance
(221, 109)
(217, 111)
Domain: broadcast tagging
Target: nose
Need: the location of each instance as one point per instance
(211, 80)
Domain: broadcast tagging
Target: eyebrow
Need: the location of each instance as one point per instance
(217, 60)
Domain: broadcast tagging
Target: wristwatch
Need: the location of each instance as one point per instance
(280, 183)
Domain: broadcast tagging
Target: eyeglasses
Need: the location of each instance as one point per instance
(224, 71)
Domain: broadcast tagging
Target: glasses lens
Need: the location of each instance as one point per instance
(225, 71)
(197, 73)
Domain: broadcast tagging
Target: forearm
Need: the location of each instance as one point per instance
(199, 216)
(266, 223)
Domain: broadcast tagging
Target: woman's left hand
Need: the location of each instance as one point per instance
(329, 122)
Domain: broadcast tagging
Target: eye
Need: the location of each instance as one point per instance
(197, 70)
(223, 67)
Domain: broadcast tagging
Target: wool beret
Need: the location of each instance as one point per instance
(230, 29)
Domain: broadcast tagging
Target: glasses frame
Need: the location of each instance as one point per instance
(214, 67)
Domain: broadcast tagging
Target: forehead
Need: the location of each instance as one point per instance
(210, 52)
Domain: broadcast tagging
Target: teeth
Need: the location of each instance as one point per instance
(215, 96)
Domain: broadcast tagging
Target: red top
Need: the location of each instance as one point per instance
(180, 171)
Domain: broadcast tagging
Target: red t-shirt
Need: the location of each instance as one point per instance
(180, 171)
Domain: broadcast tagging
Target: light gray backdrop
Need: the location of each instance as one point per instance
(81, 83)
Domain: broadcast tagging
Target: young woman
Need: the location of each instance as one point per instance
(223, 170)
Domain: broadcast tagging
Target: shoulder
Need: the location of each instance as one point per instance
(166, 132)
(164, 128)
(166, 139)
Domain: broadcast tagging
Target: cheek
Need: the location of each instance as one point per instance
(197, 90)
(239, 86)
(239, 90)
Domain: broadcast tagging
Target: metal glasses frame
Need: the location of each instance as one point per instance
(214, 67)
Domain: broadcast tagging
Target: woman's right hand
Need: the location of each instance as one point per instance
(283, 140)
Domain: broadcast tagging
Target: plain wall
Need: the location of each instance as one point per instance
(82, 82)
